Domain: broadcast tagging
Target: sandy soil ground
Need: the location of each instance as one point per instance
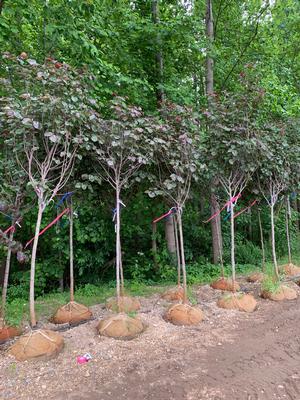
(230, 355)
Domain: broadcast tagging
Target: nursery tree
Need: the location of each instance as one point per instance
(121, 146)
(231, 145)
(279, 170)
(44, 126)
(177, 161)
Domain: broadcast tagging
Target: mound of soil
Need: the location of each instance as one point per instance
(120, 326)
(225, 284)
(8, 332)
(283, 293)
(126, 304)
(256, 277)
(290, 269)
(184, 314)
(40, 344)
(72, 313)
(173, 294)
(238, 301)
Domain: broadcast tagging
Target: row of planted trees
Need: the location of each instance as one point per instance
(52, 121)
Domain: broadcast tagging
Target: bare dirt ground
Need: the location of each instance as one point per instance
(230, 355)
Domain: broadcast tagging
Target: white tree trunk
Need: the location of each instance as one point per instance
(288, 238)
(262, 243)
(71, 253)
(177, 250)
(118, 245)
(182, 258)
(6, 275)
(33, 261)
(273, 242)
(232, 240)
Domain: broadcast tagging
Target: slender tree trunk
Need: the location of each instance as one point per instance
(232, 240)
(71, 252)
(182, 258)
(159, 56)
(154, 245)
(33, 262)
(273, 242)
(121, 268)
(287, 227)
(177, 251)
(219, 237)
(6, 275)
(118, 245)
(262, 243)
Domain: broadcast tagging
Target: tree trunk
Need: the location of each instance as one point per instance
(118, 245)
(288, 238)
(177, 251)
(121, 268)
(262, 243)
(182, 258)
(6, 275)
(209, 60)
(170, 237)
(71, 218)
(154, 245)
(217, 241)
(158, 56)
(32, 267)
(273, 242)
(232, 240)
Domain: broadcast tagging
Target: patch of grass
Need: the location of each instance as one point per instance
(270, 285)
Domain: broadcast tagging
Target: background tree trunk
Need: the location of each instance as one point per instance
(217, 242)
(32, 267)
(158, 56)
(170, 237)
(154, 245)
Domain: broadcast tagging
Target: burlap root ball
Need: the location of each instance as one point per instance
(9, 332)
(225, 284)
(126, 304)
(184, 314)
(283, 293)
(40, 344)
(120, 326)
(290, 269)
(238, 301)
(173, 294)
(256, 277)
(71, 313)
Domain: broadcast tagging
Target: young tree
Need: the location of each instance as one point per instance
(45, 110)
(121, 146)
(177, 162)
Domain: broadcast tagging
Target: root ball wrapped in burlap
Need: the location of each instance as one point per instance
(9, 332)
(238, 301)
(184, 314)
(40, 344)
(256, 277)
(71, 313)
(290, 269)
(174, 294)
(225, 284)
(120, 326)
(126, 304)
(282, 293)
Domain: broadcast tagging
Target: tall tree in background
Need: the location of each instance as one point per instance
(216, 222)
